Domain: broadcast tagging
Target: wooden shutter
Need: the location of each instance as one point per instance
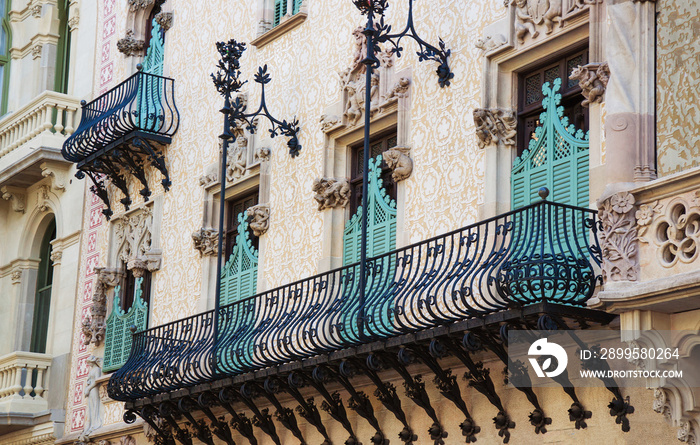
(239, 276)
(118, 336)
(150, 90)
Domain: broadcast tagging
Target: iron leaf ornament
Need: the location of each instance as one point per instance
(227, 81)
(382, 34)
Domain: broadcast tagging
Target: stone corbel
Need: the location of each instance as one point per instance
(36, 51)
(165, 20)
(74, 19)
(259, 218)
(330, 192)
(593, 79)
(494, 125)
(206, 241)
(618, 239)
(36, 10)
(94, 325)
(153, 259)
(16, 276)
(56, 256)
(57, 172)
(129, 46)
(399, 162)
(16, 197)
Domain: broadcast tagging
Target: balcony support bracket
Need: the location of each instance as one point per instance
(306, 408)
(261, 418)
(332, 404)
(284, 415)
(239, 421)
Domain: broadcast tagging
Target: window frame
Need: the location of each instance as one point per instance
(356, 159)
(231, 222)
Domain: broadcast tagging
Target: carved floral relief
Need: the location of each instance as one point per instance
(619, 238)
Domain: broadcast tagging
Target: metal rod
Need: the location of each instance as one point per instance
(369, 66)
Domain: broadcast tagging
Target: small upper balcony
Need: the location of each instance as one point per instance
(123, 130)
(543, 258)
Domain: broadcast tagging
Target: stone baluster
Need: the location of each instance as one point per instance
(69, 121)
(17, 386)
(39, 388)
(27, 379)
(60, 110)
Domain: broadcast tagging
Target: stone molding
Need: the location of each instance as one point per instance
(17, 199)
(618, 238)
(593, 79)
(129, 45)
(259, 218)
(94, 326)
(266, 33)
(206, 241)
(331, 193)
(494, 125)
(399, 162)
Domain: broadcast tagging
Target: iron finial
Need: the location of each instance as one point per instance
(543, 192)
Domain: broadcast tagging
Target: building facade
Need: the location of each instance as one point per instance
(592, 100)
(45, 48)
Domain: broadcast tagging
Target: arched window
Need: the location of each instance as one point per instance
(5, 43)
(63, 48)
(42, 300)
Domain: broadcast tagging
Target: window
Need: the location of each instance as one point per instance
(5, 43)
(42, 301)
(378, 145)
(128, 289)
(530, 96)
(234, 208)
(285, 7)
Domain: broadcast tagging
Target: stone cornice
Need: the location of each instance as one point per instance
(284, 27)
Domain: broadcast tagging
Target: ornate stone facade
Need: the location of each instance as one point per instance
(592, 78)
(93, 326)
(206, 241)
(330, 193)
(618, 238)
(133, 238)
(494, 125)
(259, 218)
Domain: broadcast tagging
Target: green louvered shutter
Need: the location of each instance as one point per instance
(239, 277)
(280, 11)
(150, 90)
(556, 158)
(118, 333)
(297, 6)
(381, 238)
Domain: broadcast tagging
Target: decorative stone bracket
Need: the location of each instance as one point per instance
(16, 197)
(399, 162)
(259, 218)
(618, 238)
(129, 45)
(165, 20)
(58, 172)
(206, 241)
(593, 79)
(494, 125)
(330, 192)
(94, 325)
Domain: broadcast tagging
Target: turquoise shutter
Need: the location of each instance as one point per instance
(381, 238)
(296, 6)
(118, 331)
(237, 322)
(150, 109)
(556, 158)
(280, 10)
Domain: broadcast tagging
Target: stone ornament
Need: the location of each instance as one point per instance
(135, 5)
(16, 276)
(93, 413)
(686, 432)
(206, 241)
(619, 238)
(127, 440)
(165, 20)
(56, 174)
(74, 20)
(36, 51)
(259, 218)
(399, 162)
(494, 125)
(330, 193)
(56, 256)
(93, 326)
(593, 79)
(236, 160)
(328, 121)
(676, 231)
(43, 203)
(661, 404)
(489, 43)
(129, 46)
(133, 236)
(35, 11)
(398, 91)
(210, 176)
(262, 154)
(16, 198)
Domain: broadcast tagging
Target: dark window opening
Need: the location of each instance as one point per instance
(378, 145)
(128, 288)
(234, 207)
(149, 23)
(42, 299)
(530, 95)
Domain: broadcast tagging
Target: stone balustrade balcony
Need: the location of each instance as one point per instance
(23, 382)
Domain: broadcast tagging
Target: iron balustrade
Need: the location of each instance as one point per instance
(142, 103)
(544, 252)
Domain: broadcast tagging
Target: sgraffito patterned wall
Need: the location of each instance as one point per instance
(677, 92)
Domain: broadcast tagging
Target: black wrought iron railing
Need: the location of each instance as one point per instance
(544, 252)
(142, 103)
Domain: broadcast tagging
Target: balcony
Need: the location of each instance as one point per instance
(122, 131)
(23, 388)
(541, 258)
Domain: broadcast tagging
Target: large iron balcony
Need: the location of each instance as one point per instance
(541, 253)
(142, 103)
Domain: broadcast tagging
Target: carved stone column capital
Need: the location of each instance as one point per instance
(331, 192)
(618, 238)
(399, 162)
(593, 79)
(206, 241)
(494, 125)
(259, 218)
